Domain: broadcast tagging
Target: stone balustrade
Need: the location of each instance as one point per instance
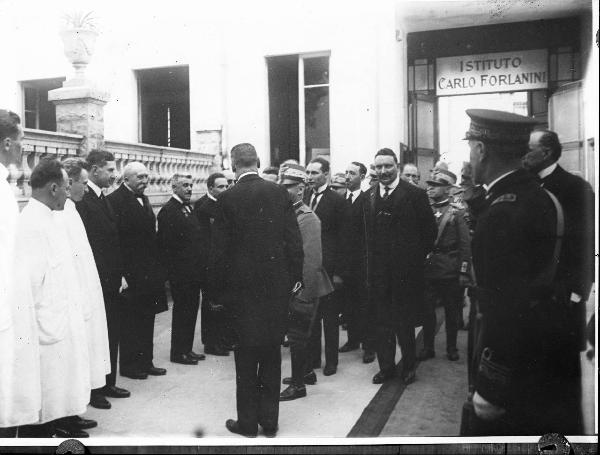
(162, 162)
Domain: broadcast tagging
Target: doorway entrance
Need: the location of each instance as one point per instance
(454, 122)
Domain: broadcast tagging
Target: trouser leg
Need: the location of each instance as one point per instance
(185, 312)
(331, 328)
(113, 323)
(386, 348)
(147, 339)
(247, 394)
(269, 377)
(452, 298)
(315, 340)
(406, 338)
(298, 332)
(429, 317)
(130, 346)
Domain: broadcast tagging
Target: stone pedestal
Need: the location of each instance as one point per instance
(80, 110)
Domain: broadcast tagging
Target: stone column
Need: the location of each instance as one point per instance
(80, 110)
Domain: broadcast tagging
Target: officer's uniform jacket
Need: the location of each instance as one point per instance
(451, 254)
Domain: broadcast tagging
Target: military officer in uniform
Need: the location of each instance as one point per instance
(447, 267)
(523, 375)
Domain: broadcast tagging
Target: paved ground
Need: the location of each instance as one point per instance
(198, 399)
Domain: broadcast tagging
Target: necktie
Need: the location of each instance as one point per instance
(313, 204)
(350, 198)
(103, 201)
(386, 192)
(187, 209)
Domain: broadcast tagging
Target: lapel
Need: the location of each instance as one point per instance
(132, 201)
(107, 209)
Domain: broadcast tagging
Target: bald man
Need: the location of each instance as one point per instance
(143, 271)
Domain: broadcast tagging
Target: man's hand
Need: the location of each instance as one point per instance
(486, 410)
(124, 284)
(337, 281)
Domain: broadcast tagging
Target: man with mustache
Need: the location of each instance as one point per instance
(181, 247)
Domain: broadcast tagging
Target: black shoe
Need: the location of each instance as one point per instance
(383, 376)
(368, 357)
(453, 355)
(134, 374)
(293, 392)
(234, 427)
(329, 370)
(216, 350)
(79, 423)
(114, 392)
(198, 357)
(426, 354)
(348, 347)
(155, 371)
(270, 432)
(309, 379)
(69, 433)
(98, 401)
(409, 376)
(184, 359)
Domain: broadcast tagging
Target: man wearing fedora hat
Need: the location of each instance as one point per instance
(526, 375)
(447, 267)
(304, 306)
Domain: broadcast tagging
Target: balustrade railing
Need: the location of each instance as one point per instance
(162, 162)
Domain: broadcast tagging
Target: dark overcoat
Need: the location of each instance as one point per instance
(255, 259)
(396, 286)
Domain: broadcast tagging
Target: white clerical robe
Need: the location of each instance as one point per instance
(64, 358)
(91, 297)
(20, 395)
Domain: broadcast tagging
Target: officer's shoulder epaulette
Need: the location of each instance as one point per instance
(508, 197)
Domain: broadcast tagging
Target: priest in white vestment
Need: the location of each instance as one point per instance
(20, 396)
(45, 250)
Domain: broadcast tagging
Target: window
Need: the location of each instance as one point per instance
(164, 106)
(38, 112)
(299, 107)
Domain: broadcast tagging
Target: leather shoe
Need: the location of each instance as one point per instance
(69, 433)
(453, 356)
(134, 374)
(292, 392)
(348, 347)
(79, 423)
(309, 379)
(368, 357)
(115, 392)
(184, 359)
(329, 370)
(383, 376)
(409, 376)
(234, 427)
(270, 432)
(198, 357)
(216, 350)
(426, 354)
(155, 371)
(98, 401)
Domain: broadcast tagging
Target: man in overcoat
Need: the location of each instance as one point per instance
(257, 262)
(401, 230)
(144, 272)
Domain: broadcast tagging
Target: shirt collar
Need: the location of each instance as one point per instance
(3, 172)
(245, 174)
(547, 171)
(489, 186)
(178, 199)
(95, 188)
(321, 189)
(392, 186)
(211, 197)
(354, 193)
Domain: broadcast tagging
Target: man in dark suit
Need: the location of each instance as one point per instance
(212, 318)
(576, 268)
(101, 228)
(401, 230)
(352, 266)
(181, 249)
(257, 259)
(329, 207)
(144, 273)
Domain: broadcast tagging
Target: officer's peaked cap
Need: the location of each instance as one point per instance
(443, 178)
(293, 174)
(499, 126)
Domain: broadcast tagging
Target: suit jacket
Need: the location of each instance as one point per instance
(352, 246)
(256, 257)
(100, 224)
(180, 242)
(576, 267)
(137, 233)
(330, 211)
(414, 230)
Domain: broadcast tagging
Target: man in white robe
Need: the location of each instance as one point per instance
(91, 298)
(20, 398)
(45, 250)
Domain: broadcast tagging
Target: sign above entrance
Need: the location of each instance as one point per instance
(498, 72)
